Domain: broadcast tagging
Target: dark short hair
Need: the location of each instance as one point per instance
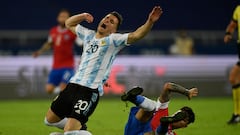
(119, 17)
(190, 114)
(65, 10)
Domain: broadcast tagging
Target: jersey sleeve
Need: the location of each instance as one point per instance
(82, 31)
(162, 105)
(79, 42)
(120, 39)
(236, 13)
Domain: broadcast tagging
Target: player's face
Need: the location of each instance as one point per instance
(180, 124)
(62, 17)
(108, 25)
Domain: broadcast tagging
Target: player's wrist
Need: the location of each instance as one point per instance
(228, 33)
(186, 92)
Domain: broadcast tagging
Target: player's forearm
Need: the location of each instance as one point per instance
(172, 87)
(46, 46)
(144, 29)
(141, 32)
(73, 21)
(231, 27)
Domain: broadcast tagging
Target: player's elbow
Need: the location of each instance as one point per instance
(67, 24)
(167, 86)
(70, 26)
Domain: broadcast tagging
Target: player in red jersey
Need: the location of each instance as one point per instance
(152, 118)
(61, 40)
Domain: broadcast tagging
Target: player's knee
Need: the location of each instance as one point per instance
(49, 88)
(62, 86)
(46, 122)
(49, 91)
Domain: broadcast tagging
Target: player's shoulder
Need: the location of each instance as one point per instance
(53, 29)
(237, 8)
(118, 35)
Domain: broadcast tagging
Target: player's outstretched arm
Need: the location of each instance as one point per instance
(229, 31)
(145, 28)
(46, 46)
(172, 87)
(74, 20)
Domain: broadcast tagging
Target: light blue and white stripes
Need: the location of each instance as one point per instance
(97, 57)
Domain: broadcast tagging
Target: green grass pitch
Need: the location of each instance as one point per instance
(25, 117)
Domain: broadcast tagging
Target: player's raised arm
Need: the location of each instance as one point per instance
(46, 46)
(172, 87)
(145, 28)
(230, 30)
(73, 21)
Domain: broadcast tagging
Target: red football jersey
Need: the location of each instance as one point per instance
(63, 41)
(155, 122)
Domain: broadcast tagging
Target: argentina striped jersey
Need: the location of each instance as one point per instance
(97, 57)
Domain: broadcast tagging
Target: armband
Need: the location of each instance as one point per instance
(186, 93)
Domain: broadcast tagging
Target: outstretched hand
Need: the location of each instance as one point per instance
(193, 92)
(155, 14)
(35, 54)
(227, 38)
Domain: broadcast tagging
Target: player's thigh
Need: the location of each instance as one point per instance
(143, 116)
(52, 117)
(84, 102)
(72, 124)
(234, 74)
(50, 87)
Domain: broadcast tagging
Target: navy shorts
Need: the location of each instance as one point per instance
(134, 126)
(76, 101)
(56, 76)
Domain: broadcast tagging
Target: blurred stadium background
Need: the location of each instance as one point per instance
(24, 27)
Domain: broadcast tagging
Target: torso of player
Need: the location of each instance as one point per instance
(156, 120)
(97, 57)
(63, 41)
(96, 60)
(184, 45)
(236, 17)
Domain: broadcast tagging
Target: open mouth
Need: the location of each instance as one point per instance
(103, 26)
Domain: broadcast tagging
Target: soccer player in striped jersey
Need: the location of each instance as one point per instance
(71, 109)
(61, 40)
(234, 76)
(149, 117)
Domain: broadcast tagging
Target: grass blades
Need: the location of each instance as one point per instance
(25, 117)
